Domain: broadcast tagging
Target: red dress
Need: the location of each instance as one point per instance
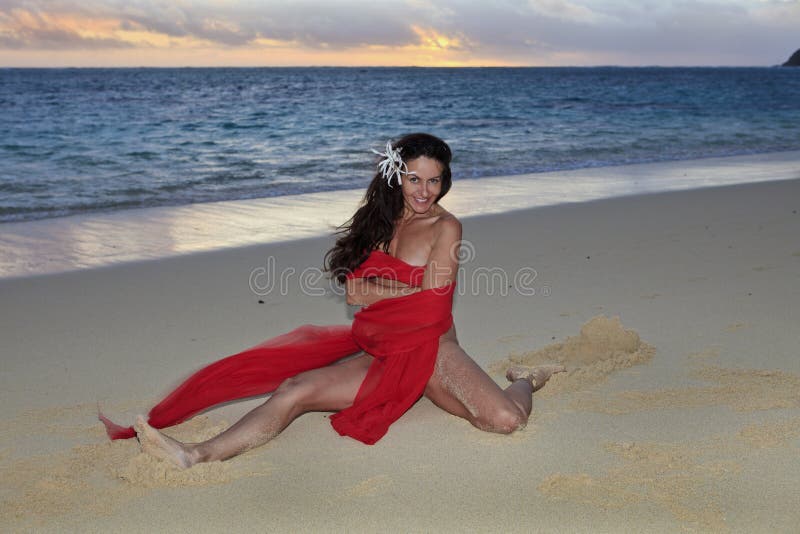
(402, 334)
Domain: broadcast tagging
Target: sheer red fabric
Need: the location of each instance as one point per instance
(402, 334)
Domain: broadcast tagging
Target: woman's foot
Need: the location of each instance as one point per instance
(160, 446)
(537, 376)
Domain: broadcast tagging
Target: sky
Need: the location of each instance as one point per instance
(128, 33)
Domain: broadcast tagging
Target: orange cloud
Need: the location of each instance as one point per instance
(75, 40)
(59, 31)
(23, 21)
(432, 40)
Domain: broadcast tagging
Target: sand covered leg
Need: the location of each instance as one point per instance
(256, 428)
(537, 376)
(462, 388)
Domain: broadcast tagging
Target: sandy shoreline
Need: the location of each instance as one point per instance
(703, 435)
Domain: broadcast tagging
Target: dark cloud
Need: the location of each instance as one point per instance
(684, 31)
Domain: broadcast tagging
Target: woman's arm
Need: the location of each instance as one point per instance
(365, 291)
(441, 269)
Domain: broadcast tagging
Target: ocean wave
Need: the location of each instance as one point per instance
(143, 137)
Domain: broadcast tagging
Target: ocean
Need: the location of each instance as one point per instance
(83, 141)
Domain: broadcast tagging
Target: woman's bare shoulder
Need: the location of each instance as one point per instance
(447, 238)
(447, 225)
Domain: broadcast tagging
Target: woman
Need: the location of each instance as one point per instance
(398, 257)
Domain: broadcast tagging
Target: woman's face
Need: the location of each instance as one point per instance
(422, 184)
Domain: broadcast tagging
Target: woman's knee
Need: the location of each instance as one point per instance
(300, 391)
(503, 419)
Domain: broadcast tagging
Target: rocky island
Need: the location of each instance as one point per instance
(794, 61)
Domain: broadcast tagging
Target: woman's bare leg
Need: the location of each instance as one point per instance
(330, 388)
(461, 387)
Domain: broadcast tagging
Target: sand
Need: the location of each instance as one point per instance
(603, 346)
(675, 315)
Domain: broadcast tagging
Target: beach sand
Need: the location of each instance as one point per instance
(675, 313)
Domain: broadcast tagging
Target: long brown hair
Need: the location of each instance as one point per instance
(372, 226)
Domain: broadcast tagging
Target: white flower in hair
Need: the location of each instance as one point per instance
(392, 165)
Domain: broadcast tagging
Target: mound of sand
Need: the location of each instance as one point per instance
(603, 346)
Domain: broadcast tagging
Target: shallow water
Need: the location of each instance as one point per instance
(100, 239)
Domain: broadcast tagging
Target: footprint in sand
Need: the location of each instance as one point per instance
(705, 354)
(370, 487)
(512, 338)
(686, 479)
(743, 390)
(733, 327)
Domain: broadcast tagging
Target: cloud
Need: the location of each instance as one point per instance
(570, 11)
(627, 32)
(317, 24)
(515, 31)
(22, 28)
(56, 39)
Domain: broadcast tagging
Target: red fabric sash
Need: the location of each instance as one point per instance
(402, 334)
